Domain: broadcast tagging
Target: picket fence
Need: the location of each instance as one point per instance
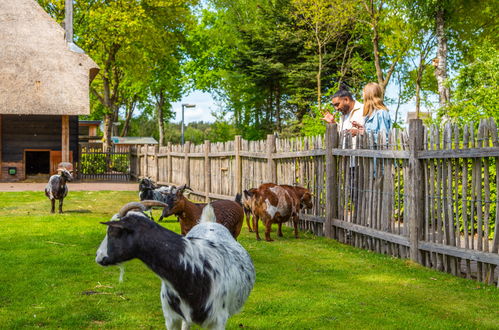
(425, 193)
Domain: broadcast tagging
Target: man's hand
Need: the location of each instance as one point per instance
(358, 129)
(328, 118)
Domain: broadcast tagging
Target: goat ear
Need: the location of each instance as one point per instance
(118, 224)
(247, 193)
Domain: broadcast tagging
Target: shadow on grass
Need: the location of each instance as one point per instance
(78, 211)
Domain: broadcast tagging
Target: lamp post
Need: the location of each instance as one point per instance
(182, 127)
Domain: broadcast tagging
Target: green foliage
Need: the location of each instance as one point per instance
(476, 86)
(100, 163)
(49, 278)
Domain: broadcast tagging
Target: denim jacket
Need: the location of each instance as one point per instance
(378, 121)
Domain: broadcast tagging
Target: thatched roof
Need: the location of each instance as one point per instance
(39, 74)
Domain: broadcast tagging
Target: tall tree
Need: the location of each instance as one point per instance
(327, 21)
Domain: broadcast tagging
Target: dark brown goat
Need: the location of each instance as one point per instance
(247, 201)
(228, 213)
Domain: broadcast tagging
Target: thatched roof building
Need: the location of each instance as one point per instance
(44, 86)
(39, 74)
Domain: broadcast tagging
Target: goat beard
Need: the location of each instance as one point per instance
(122, 272)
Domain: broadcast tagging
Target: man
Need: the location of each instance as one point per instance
(352, 117)
(352, 120)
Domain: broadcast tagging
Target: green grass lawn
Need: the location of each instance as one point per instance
(48, 278)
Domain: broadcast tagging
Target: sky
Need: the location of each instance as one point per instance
(205, 105)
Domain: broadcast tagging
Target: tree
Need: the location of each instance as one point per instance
(327, 21)
(390, 40)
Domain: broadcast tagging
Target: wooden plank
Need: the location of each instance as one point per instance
(479, 256)
(460, 153)
(238, 182)
(415, 180)
(207, 170)
(271, 165)
(389, 237)
(1, 148)
(187, 171)
(464, 199)
(369, 153)
(65, 138)
(331, 182)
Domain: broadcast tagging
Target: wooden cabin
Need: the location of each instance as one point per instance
(44, 86)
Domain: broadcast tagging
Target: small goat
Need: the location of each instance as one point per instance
(148, 190)
(206, 277)
(247, 201)
(228, 213)
(56, 188)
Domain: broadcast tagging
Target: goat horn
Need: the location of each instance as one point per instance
(149, 203)
(131, 206)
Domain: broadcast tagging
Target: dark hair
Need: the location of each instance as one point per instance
(343, 92)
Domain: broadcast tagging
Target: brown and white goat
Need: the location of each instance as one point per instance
(247, 202)
(228, 213)
(277, 204)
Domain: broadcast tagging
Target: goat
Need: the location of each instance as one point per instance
(247, 208)
(277, 204)
(206, 276)
(228, 213)
(148, 190)
(56, 188)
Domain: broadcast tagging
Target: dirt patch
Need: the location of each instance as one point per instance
(73, 186)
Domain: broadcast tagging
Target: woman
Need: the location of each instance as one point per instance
(376, 113)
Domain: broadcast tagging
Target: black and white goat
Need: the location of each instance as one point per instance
(206, 276)
(56, 188)
(148, 190)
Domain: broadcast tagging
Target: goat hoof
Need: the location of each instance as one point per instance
(258, 239)
(269, 239)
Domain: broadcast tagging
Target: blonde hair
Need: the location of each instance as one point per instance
(373, 99)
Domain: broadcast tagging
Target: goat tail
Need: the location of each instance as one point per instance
(238, 199)
(208, 214)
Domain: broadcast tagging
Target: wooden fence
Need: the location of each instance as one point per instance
(421, 193)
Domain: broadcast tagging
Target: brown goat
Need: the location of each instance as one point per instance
(228, 213)
(277, 204)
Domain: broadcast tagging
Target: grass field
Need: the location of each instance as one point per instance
(48, 279)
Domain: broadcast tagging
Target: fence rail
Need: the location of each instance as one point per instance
(427, 194)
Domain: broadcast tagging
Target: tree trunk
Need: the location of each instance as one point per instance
(160, 103)
(129, 112)
(441, 60)
(319, 75)
(108, 125)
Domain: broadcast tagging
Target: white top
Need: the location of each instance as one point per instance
(355, 115)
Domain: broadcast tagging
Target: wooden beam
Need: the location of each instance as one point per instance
(207, 170)
(271, 166)
(415, 189)
(65, 138)
(1, 149)
(331, 181)
(238, 182)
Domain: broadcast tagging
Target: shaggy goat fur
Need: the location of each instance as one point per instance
(206, 276)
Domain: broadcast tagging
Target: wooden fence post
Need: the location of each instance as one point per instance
(207, 170)
(146, 161)
(169, 163)
(238, 182)
(414, 186)
(331, 180)
(187, 175)
(271, 167)
(156, 157)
